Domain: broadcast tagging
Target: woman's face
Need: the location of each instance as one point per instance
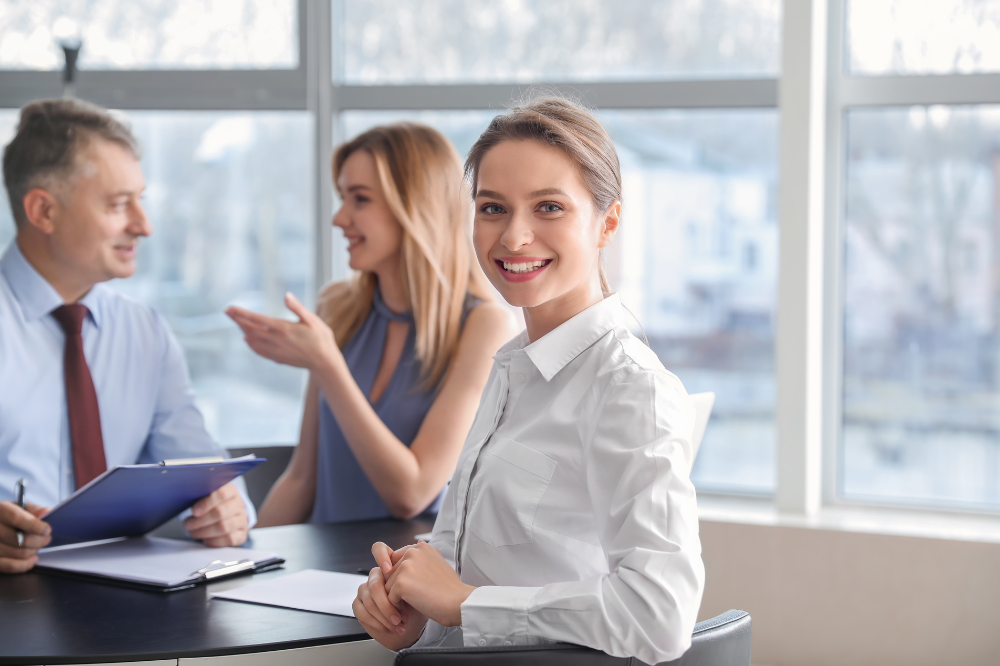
(373, 235)
(537, 234)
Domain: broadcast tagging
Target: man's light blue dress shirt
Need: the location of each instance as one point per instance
(147, 407)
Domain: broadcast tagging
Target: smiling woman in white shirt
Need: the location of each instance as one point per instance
(571, 516)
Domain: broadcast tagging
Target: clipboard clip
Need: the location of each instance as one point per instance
(217, 568)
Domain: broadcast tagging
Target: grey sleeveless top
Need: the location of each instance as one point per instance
(343, 491)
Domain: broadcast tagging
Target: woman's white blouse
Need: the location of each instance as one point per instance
(571, 507)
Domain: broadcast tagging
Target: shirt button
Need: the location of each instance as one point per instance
(482, 641)
(520, 378)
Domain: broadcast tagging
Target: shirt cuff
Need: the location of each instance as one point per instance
(497, 615)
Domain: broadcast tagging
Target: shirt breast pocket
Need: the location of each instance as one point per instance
(512, 478)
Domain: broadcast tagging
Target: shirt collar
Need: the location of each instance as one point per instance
(35, 295)
(554, 350)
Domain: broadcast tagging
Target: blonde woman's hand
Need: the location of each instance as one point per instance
(306, 343)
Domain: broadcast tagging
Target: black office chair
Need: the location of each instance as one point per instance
(721, 641)
(260, 479)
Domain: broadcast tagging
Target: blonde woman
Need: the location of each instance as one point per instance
(398, 355)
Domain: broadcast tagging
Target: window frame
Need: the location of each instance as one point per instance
(847, 91)
(812, 93)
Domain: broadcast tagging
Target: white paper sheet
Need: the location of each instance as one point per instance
(309, 590)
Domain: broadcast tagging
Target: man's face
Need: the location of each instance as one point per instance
(99, 219)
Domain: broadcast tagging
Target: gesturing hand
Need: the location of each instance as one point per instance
(304, 344)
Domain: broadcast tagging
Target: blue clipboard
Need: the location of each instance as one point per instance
(131, 500)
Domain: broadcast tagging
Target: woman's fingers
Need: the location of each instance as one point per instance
(383, 557)
(377, 593)
(295, 306)
(371, 608)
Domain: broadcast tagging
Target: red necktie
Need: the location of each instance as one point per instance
(81, 399)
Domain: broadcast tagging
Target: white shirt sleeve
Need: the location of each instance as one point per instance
(637, 462)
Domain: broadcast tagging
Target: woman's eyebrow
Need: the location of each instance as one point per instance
(547, 192)
(490, 194)
(352, 188)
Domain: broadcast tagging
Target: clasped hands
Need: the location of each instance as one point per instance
(407, 587)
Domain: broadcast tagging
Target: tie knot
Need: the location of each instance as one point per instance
(71, 317)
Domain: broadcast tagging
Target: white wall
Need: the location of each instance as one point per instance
(822, 597)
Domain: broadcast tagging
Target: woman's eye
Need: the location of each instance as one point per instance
(492, 209)
(361, 200)
(550, 208)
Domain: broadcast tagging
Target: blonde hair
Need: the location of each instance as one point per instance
(567, 125)
(422, 180)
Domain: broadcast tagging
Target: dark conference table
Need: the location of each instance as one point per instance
(51, 619)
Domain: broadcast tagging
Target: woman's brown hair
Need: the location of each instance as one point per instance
(421, 177)
(568, 126)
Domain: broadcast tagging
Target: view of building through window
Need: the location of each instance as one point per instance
(151, 34)
(913, 37)
(484, 41)
(695, 262)
(229, 199)
(922, 306)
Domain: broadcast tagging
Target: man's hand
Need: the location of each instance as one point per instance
(219, 519)
(37, 534)
(425, 581)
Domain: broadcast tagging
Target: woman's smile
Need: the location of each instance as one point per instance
(521, 269)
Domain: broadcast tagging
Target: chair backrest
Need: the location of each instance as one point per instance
(722, 641)
(262, 477)
(703, 403)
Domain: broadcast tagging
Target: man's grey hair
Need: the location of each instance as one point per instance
(50, 135)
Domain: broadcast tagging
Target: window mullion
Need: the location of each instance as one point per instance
(799, 334)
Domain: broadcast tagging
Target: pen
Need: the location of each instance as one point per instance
(19, 489)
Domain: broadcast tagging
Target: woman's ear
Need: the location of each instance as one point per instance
(609, 224)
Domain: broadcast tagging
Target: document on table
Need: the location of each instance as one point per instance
(309, 590)
(161, 563)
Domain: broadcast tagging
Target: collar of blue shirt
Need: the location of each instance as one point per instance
(35, 295)
(554, 350)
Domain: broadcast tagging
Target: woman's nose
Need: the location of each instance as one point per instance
(518, 233)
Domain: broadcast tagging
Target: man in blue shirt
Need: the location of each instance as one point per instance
(89, 379)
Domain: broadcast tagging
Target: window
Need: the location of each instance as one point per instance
(939, 37)
(8, 125)
(228, 197)
(921, 245)
(151, 34)
(229, 193)
(483, 41)
(699, 186)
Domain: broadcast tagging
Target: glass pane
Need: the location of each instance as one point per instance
(906, 37)
(151, 34)
(695, 261)
(229, 198)
(922, 307)
(450, 41)
(8, 124)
